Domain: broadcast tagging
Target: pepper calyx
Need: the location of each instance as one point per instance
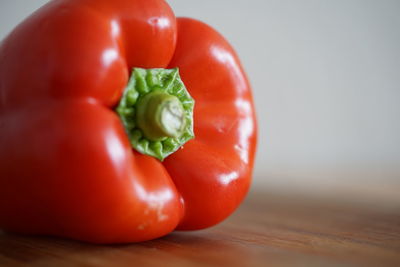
(157, 112)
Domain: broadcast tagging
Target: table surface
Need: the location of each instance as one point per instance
(268, 229)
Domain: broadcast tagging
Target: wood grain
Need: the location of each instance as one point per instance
(268, 230)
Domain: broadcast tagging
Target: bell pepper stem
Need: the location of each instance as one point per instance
(160, 115)
(157, 112)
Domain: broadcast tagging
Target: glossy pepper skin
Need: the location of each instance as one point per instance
(66, 165)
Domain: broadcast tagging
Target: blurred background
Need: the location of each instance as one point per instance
(326, 80)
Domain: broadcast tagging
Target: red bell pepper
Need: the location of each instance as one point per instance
(70, 114)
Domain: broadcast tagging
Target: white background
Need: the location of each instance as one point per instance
(326, 79)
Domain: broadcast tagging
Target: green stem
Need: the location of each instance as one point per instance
(160, 115)
(157, 112)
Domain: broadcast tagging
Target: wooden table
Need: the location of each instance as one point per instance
(268, 229)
